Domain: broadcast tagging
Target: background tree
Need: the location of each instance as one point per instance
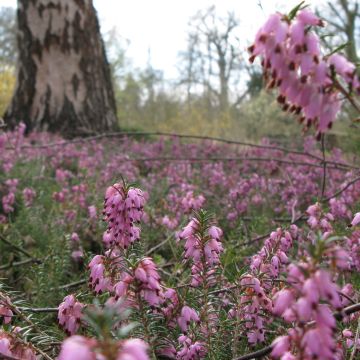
(343, 18)
(63, 80)
(8, 48)
(213, 58)
(8, 55)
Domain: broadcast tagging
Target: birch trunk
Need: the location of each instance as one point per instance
(63, 81)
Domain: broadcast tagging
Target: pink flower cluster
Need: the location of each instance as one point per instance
(266, 265)
(8, 200)
(123, 208)
(28, 195)
(318, 221)
(253, 303)
(187, 315)
(70, 314)
(11, 346)
(203, 248)
(353, 247)
(77, 252)
(306, 80)
(100, 270)
(312, 297)
(191, 350)
(82, 348)
(272, 257)
(350, 339)
(145, 280)
(179, 204)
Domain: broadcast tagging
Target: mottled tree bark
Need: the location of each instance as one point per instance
(63, 82)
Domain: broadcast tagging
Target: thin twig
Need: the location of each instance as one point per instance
(334, 165)
(198, 137)
(66, 286)
(347, 95)
(20, 263)
(70, 285)
(167, 134)
(38, 310)
(18, 248)
(150, 251)
(353, 181)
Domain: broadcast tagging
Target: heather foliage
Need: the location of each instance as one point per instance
(136, 248)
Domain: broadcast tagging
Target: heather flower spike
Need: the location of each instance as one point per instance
(356, 220)
(292, 62)
(123, 208)
(70, 314)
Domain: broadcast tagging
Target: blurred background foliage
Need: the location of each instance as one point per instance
(216, 93)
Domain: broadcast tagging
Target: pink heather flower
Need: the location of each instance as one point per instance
(5, 311)
(77, 255)
(170, 305)
(282, 301)
(191, 350)
(341, 258)
(342, 66)
(288, 356)
(169, 223)
(308, 18)
(204, 250)
(292, 62)
(255, 336)
(5, 345)
(356, 219)
(303, 309)
(61, 195)
(77, 348)
(12, 184)
(92, 212)
(7, 202)
(132, 349)
(98, 280)
(121, 288)
(146, 273)
(347, 290)
(11, 346)
(272, 258)
(75, 237)
(314, 210)
(29, 195)
(190, 202)
(69, 314)
(328, 289)
(280, 346)
(187, 315)
(122, 210)
(62, 175)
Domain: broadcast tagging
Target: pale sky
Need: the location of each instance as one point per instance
(161, 25)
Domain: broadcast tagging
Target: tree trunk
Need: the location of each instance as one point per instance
(63, 82)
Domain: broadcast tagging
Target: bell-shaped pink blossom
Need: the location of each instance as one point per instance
(70, 314)
(77, 348)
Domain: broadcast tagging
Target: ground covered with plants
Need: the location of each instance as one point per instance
(206, 243)
(141, 246)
